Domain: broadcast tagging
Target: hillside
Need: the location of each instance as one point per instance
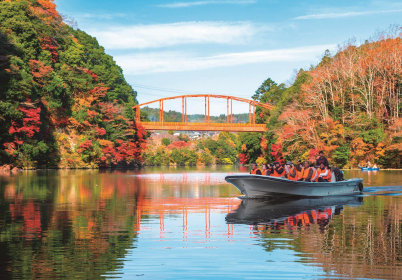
(63, 101)
(348, 105)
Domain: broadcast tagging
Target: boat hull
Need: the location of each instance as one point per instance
(257, 186)
(369, 169)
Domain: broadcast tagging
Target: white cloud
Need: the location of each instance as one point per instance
(201, 3)
(101, 16)
(137, 64)
(347, 14)
(164, 35)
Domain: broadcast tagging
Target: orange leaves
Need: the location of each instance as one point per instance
(178, 145)
(49, 7)
(39, 71)
(244, 147)
(91, 114)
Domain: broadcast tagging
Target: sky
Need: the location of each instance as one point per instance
(229, 47)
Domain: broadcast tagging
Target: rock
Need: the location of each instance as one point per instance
(5, 168)
(15, 169)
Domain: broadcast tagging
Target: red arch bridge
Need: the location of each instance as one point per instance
(184, 125)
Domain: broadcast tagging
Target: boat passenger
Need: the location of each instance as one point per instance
(306, 173)
(279, 171)
(299, 168)
(254, 169)
(324, 174)
(265, 171)
(315, 173)
(291, 172)
(323, 159)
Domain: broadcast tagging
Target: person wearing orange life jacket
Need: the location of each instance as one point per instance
(279, 171)
(299, 168)
(324, 175)
(290, 170)
(315, 173)
(254, 169)
(265, 170)
(306, 173)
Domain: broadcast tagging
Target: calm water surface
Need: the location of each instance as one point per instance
(161, 223)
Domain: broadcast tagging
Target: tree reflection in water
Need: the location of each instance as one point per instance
(348, 238)
(67, 224)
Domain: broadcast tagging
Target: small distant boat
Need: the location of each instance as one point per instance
(369, 168)
(258, 186)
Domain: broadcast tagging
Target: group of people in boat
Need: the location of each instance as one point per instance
(318, 172)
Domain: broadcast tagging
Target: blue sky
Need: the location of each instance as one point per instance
(222, 46)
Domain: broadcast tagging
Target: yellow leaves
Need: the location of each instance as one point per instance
(260, 161)
(74, 123)
(358, 147)
(380, 151)
(105, 143)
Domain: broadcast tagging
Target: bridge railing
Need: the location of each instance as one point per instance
(203, 124)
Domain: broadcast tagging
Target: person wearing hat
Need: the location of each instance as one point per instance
(254, 169)
(290, 171)
(322, 159)
(279, 171)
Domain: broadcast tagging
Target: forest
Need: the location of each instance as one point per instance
(64, 103)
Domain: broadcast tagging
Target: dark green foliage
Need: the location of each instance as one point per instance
(252, 140)
(165, 141)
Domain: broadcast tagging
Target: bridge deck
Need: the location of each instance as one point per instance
(180, 126)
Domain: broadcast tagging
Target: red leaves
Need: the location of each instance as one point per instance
(86, 145)
(99, 91)
(89, 72)
(100, 131)
(276, 151)
(10, 148)
(47, 44)
(243, 159)
(30, 124)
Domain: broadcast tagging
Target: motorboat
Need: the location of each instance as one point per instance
(258, 211)
(257, 186)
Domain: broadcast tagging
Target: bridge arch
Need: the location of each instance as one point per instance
(207, 125)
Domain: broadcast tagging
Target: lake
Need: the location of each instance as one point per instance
(188, 223)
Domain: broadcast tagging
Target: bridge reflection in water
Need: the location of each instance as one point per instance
(102, 224)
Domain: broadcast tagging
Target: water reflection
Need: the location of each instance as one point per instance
(95, 225)
(290, 211)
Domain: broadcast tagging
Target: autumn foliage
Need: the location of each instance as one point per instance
(64, 102)
(348, 106)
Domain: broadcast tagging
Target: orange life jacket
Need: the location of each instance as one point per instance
(264, 172)
(276, 174)
(290, 177)
(328, 177)
(299, 175)
(305, 172)
(254, 171)
(314, 178)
